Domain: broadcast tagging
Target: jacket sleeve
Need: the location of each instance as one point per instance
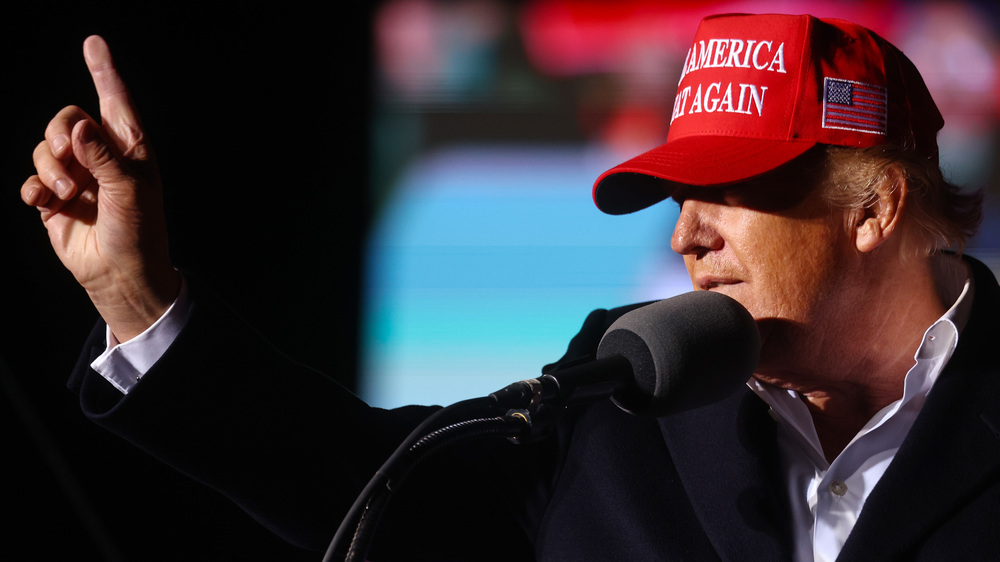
(294, 448)
(289, 445)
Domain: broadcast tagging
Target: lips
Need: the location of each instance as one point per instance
(707, 283)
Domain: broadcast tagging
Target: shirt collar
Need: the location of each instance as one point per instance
(955, 285)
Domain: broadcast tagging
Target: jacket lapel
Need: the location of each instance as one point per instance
(726, 456)
(952, 450)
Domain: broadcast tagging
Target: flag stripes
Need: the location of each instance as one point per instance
(854, 106)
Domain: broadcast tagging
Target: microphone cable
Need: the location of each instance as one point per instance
(353, 537)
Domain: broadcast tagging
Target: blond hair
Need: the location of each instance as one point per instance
(938, 214)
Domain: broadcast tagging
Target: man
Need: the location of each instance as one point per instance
(803, 155)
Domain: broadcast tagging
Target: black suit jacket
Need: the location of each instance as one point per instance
(294, 448)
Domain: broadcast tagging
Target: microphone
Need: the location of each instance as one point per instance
(661, 358)
(664, 357)
(684, 351)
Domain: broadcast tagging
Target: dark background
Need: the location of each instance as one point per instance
(258, 118)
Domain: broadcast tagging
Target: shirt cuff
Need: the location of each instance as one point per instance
(123, 364)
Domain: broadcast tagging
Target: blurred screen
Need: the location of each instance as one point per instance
(490, 124)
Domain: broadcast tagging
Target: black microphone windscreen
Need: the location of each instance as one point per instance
(685, 351)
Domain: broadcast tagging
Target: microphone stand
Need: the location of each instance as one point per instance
(354, 536)
(521, 400)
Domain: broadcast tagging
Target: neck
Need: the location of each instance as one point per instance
(849, 369)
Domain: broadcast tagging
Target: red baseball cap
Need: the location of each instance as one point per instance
(758, 90)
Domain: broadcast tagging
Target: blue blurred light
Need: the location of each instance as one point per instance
(485, 263)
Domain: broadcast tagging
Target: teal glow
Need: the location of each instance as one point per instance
(487, 261)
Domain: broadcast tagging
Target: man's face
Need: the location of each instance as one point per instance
(773, 244)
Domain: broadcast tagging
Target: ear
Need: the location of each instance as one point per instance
(874, 224)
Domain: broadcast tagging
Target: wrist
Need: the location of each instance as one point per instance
(131, 304)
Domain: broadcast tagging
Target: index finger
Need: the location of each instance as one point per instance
(117, 111)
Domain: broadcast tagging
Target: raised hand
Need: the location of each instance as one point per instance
(98, 193)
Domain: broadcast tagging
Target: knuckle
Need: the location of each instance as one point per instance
(41, 150)
(64, 120)
(42, 157)
(69, 111)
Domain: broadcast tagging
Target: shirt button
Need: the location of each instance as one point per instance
(838, 488)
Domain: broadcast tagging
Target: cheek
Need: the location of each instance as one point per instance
(791, 265)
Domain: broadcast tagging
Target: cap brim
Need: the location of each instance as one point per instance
(699, 160)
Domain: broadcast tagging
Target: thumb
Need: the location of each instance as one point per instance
(93, 152)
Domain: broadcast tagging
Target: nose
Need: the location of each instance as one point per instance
(694, 233)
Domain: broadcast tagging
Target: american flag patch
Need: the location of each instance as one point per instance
(854, 106)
